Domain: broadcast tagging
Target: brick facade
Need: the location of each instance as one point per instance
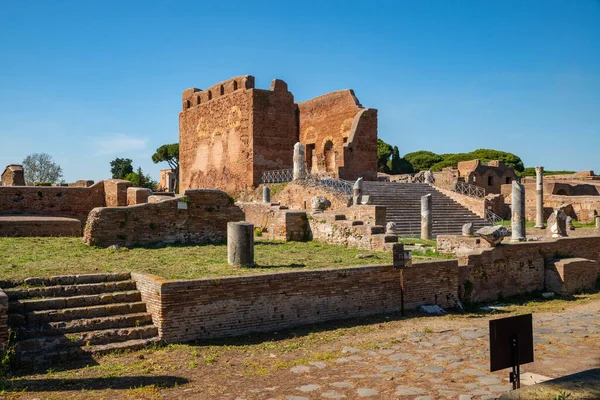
(209, 308)
(13, 175)
(232, 132)
(200, 217)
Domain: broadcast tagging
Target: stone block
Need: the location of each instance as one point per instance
(571, 275)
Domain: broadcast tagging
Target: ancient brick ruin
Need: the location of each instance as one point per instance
(13, 175)
(490, 177)
(232, 132)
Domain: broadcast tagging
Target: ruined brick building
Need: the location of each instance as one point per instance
(230, 133)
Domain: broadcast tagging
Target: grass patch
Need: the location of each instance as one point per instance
(45, 256)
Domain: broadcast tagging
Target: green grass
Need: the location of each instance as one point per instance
(42, 256)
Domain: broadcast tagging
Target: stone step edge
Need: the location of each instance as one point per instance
(66, 280)
(57, 303)
(131, 320)
(81, 339)
(15, 293)
(45, 316)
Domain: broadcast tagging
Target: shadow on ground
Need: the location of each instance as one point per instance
(119, 383)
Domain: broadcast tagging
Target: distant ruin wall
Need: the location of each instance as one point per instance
(340, 136)
(52, 201)
(208, 308)
(13, 175)
(518, 268)
(200, 217)
(3, 319)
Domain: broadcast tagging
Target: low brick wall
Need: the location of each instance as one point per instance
(116, 192)
(28, 226)
(517, 268)
(53, 201)
(454, 244)
(3, 319)
(187, 310)
(136, 195)
(571, 275)
(201, 218)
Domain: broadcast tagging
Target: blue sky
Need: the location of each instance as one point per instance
(88, 81)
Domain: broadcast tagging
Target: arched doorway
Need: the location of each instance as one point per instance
(329, 157)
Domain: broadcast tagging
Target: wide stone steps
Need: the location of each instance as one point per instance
(403, 206)
(77, 314)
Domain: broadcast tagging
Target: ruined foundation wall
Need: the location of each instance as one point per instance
(204, 219)
(3, 319)
(297, 195)
(54, 201)
(208, 308)
(517, 268)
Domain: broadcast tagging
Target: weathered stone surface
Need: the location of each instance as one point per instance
(467, 229)
(240, 243)
(539, 200)
(299, 161)
(493, 234)
(557, 224)
(569, 223)
(428, 177)
(518, 212)
(571, 275)
(319, 203)
(266, 194)
(390, 228)
(426, 217)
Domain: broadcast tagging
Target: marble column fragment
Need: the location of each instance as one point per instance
(266, 194)
(299, 161)
(539, 192)
(598, 222)
(357, 191)
(518, 212)
(426, 217)
(240, 243)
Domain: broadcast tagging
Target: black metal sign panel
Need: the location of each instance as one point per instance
(511, 342)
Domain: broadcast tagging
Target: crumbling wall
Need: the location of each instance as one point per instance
(3, 319)
(200, 217)
(55, 201)
(207, 308)
(13, 175)
(340, 136)
(297, 195)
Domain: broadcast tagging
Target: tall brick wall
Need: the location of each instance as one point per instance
(338, 119)
(211, 308)
(518, 268)
(231, 132)
(204, 220)
(75, 202)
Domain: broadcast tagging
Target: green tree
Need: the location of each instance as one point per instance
(138, 179)
(399, 165)
(422, 160)
(169, 153)
(120, 167)
(384, 152)
(39, 167)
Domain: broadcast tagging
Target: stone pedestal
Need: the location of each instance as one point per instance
(266, 194)
(299, 161)
(240, 243)
(426, 217)
(539, 200)
(518, 213)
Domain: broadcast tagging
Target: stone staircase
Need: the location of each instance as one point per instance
(403, 206)
(70, 315)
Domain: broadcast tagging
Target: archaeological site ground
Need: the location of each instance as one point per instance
(286, 266)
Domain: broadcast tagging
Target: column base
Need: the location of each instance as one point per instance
(542, 226)
(517, 240)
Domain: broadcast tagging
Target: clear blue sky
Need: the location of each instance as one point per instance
(88, 81)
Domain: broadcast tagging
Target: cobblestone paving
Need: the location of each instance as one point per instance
(446, 363)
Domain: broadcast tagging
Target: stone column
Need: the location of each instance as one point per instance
(518, 212)
(598, 222)
(357, 191)
(266, 194)
(539, 192)
(299, 161)
(426, 217)
(240, 243)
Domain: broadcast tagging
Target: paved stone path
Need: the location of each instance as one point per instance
(452, 363)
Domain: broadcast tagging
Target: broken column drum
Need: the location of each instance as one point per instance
(518, 212)
(240, 243)
(598, 222)
(539, 192)
(299, 161)
(426, 217)
(357, 191)
(266, 194)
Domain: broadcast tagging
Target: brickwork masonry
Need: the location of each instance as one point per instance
(187, 310)
(3, 319)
